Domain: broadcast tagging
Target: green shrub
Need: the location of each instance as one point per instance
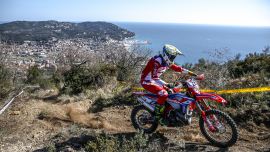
(34, 75)
(110, 143)
(57, 80)
(37, 76)
(252, 64)
(51, 148)
(5, 82)
(79, 78)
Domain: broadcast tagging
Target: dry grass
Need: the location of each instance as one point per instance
(56, 115)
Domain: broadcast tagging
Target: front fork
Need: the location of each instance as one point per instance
(212, 127)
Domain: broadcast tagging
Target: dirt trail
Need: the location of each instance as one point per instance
(30, 124)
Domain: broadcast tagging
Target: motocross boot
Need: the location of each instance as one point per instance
(159, 109)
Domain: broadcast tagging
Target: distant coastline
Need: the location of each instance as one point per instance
(44, 31)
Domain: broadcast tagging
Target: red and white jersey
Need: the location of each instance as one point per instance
(155, 67)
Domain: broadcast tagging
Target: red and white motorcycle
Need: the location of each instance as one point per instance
(216, 126)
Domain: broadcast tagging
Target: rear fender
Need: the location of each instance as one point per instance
(210, 96)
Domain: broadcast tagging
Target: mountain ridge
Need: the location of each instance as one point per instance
(43, 31)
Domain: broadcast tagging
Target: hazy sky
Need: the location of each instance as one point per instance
(223, 12)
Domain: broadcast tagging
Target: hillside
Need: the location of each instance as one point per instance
(97, 116)
(20, 31)
(43, 121)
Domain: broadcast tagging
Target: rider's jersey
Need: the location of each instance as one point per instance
(155, 67)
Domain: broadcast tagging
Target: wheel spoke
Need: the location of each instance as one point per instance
(220, 128)
(144, 118)
(223, 133)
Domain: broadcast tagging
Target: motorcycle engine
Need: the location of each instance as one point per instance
(172, 116)
(177, 118)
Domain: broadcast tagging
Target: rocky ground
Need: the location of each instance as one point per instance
(47, 122)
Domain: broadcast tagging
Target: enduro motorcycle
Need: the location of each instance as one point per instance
(216, 126)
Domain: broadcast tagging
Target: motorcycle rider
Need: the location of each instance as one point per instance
(150, 77)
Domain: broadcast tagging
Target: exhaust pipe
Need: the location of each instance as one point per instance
(147, 105)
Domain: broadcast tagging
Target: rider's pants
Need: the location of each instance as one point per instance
(156, 89)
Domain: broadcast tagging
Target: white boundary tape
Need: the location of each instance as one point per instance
(8, 103)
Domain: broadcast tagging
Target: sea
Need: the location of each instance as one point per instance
(212, 42)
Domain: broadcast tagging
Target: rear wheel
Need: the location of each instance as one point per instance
(220, 129)
(143, 119)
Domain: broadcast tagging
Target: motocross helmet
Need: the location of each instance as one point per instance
(169, 53)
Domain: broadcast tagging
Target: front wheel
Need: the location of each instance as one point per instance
(219, 128)
(143, 119)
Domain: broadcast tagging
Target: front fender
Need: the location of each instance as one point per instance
(211, 96)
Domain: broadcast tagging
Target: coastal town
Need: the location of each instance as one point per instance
(48, 55)
(23, 56)
(47, 44)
